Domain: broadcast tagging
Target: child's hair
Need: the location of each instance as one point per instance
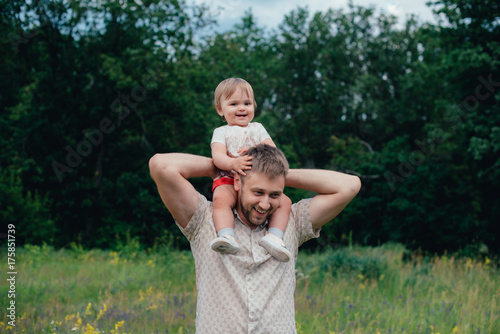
(267, 160)
(227, 88)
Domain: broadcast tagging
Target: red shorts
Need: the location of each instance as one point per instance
(222, 180)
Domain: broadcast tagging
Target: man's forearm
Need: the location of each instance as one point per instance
(321, 181)
(187, 165)
(335, 190)
(170, 172)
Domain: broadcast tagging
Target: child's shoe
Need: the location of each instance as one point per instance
(226, 244)
(276, 247)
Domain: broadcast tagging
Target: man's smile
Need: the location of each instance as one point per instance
(262, 212)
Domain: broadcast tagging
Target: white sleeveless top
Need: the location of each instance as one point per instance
(237, 137)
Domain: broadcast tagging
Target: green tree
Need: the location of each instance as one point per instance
(470, 37)
(95, 79)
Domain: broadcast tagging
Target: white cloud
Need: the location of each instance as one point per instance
(395, 10)
(269, 14)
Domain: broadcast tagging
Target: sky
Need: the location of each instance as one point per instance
(270, 13)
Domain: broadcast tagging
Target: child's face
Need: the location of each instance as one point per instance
(238, 109)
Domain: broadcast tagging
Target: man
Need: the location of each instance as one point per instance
(250, 291)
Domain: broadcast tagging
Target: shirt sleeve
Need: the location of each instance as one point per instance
(199, 217)
(303, 223)
(218, 136)
(263, 134)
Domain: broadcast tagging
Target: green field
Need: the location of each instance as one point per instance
(349, 290)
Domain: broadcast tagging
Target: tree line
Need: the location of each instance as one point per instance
(90, 90)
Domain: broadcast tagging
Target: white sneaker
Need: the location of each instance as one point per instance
(226, 244)
(276, 247)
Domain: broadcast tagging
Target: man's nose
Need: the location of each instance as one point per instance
(264, 203)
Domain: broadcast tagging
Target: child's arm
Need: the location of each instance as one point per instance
(224, 162)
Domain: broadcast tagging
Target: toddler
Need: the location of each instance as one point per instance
(235, 103)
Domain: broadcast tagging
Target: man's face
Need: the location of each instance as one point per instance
(258, 197)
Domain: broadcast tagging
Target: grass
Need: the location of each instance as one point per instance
(371, 290)
(351, 290)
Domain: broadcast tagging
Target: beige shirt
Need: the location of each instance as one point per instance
(250, 291)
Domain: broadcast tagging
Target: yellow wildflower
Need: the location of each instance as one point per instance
(102, 311)
(89, 307)
(115, 259)
(119, 324)
(78, 320)
(141, 295)
(90, 330)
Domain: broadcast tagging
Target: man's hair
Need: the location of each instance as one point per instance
(227, 88)
(267, 160)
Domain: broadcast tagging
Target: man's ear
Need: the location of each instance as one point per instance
(237, 182)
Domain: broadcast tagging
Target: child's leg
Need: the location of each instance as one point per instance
(273, 241)
(279, 219)
(224, 200)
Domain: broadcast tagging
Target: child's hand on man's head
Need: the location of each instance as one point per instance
(242, 151)
(241, 164)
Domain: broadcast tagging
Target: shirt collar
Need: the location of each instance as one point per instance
(238, 218)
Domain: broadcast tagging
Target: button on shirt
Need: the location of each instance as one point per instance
(250, 291)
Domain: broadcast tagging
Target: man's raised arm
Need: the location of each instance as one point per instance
(170, 172)
(335, 190)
